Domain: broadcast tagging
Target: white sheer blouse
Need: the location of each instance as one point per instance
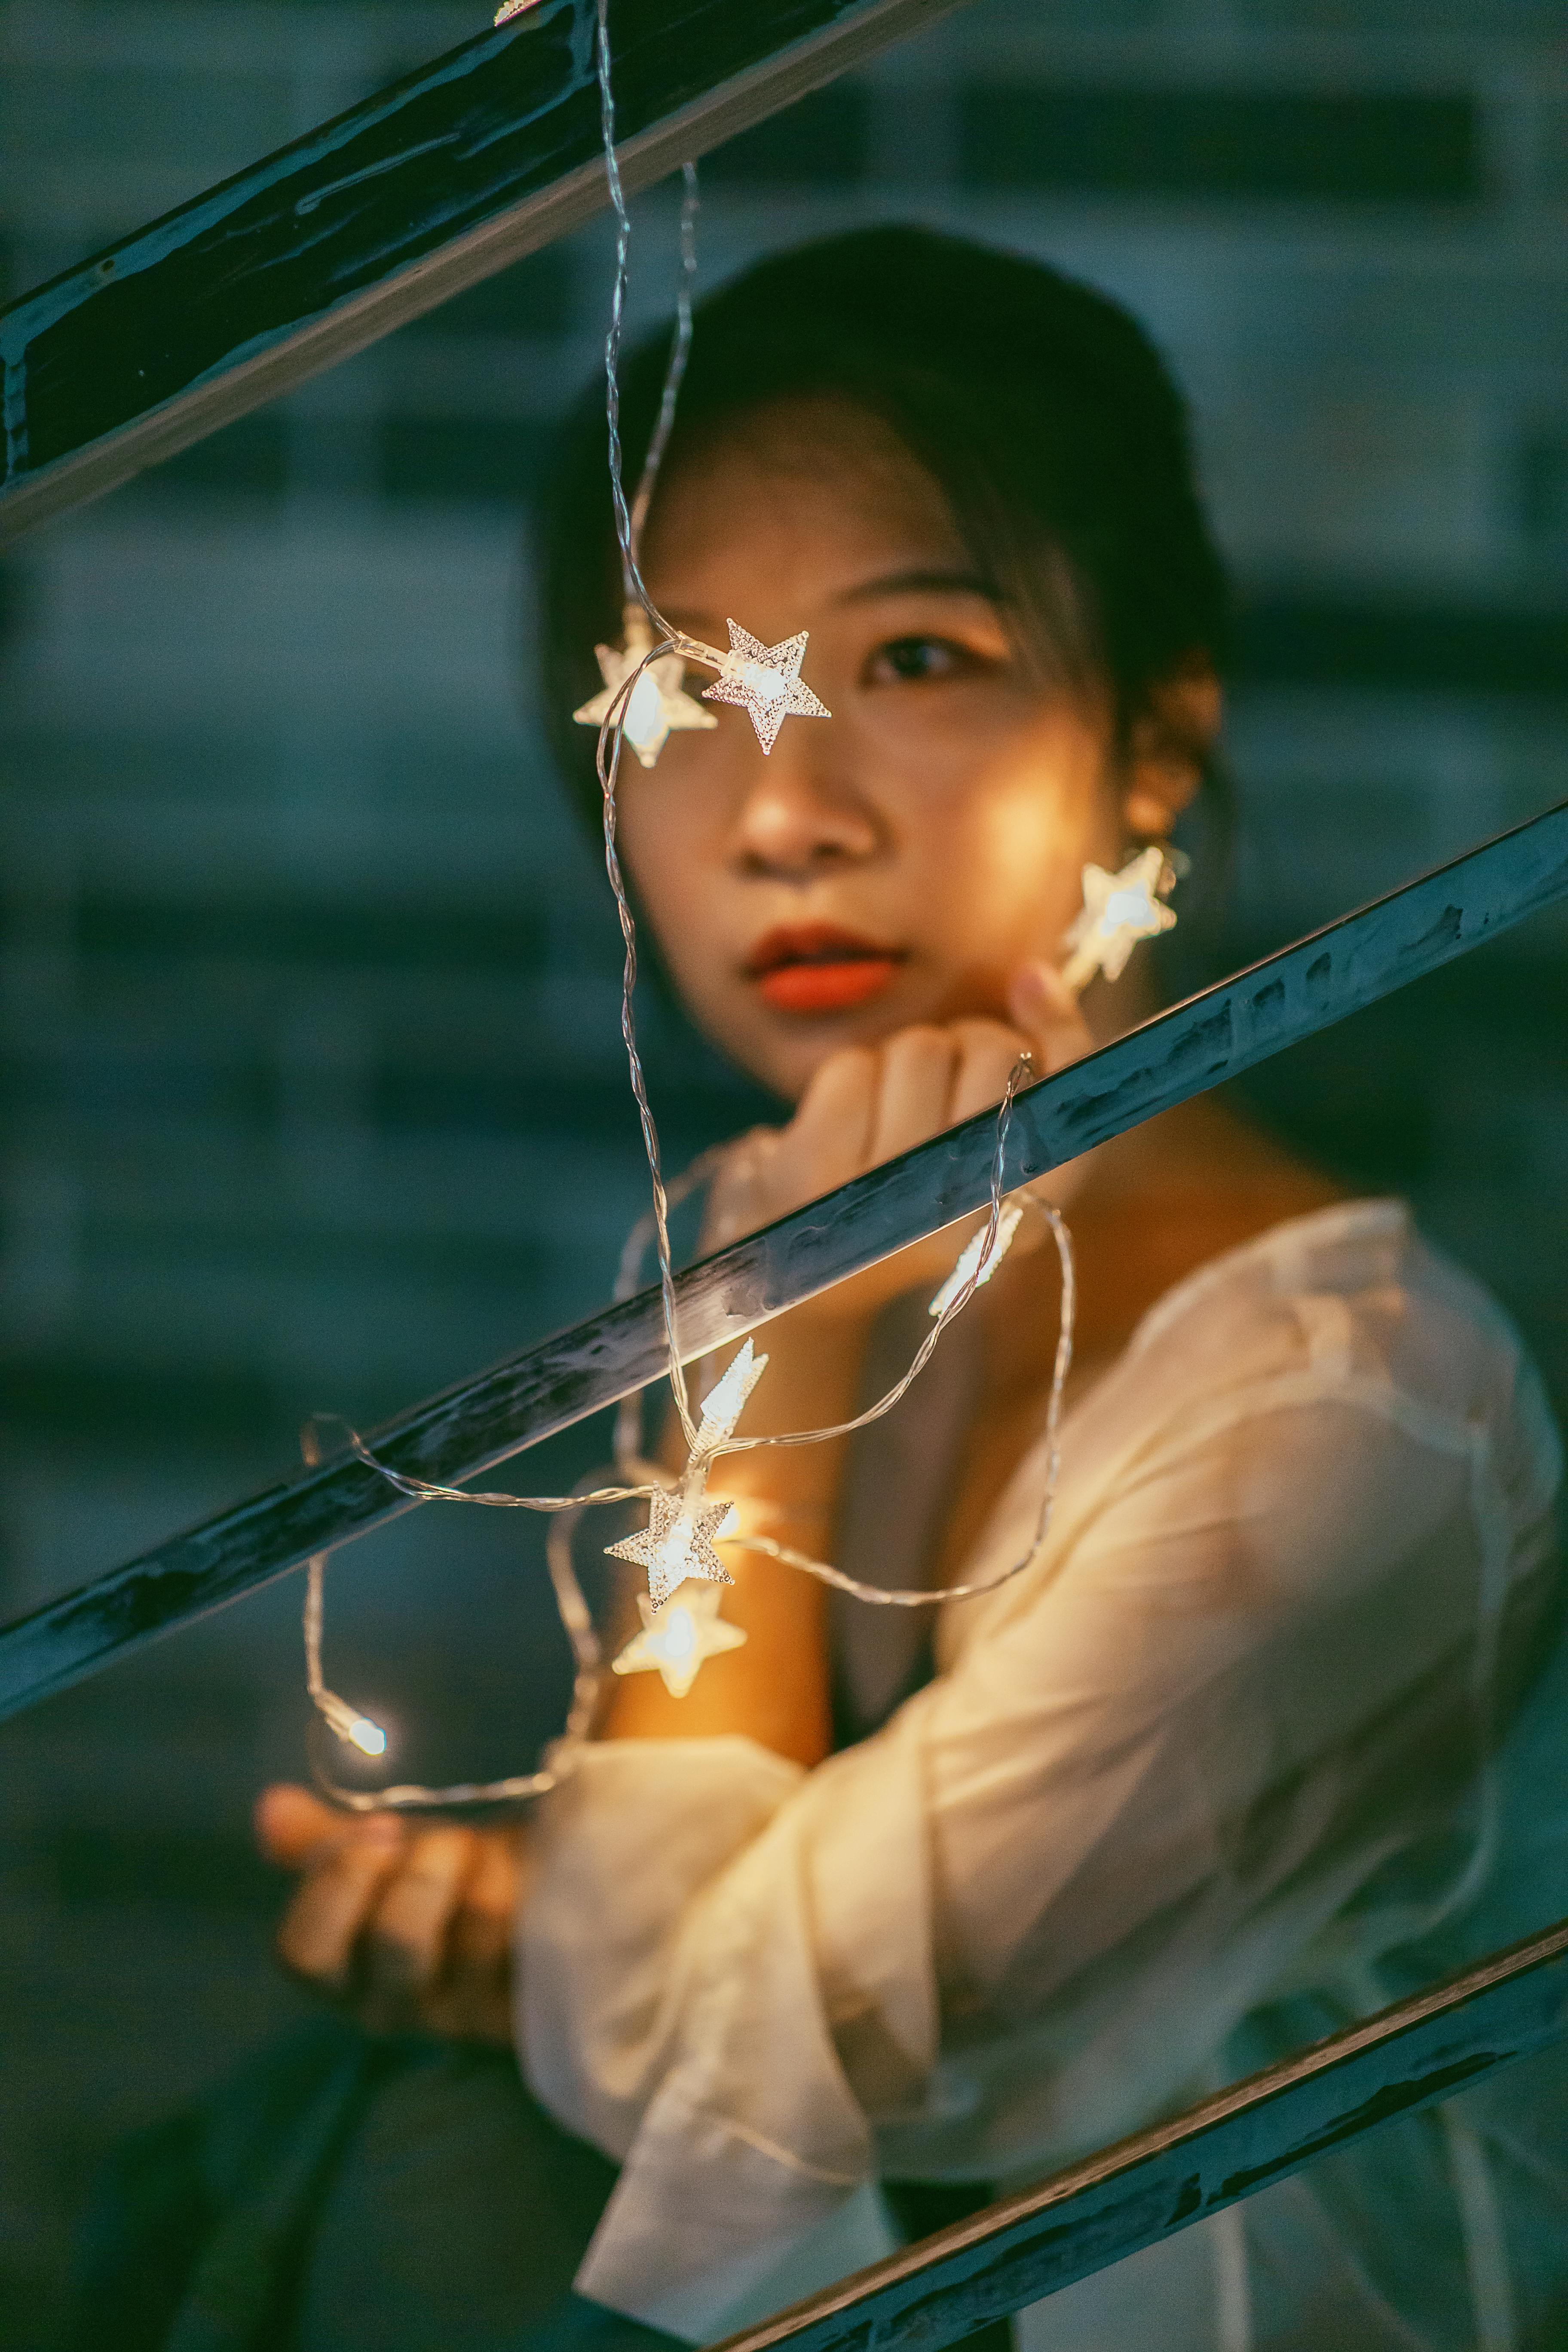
(1222, 1769)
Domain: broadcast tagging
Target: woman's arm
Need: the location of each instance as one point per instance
(1237, 1690)
(864, 1107)
(410, 1927)
(775, 1688)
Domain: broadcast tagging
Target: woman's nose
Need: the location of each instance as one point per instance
(795, 818)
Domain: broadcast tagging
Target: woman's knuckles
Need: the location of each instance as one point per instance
(317, 1934)
(862, 1107)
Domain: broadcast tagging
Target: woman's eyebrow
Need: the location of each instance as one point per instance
(924, 582)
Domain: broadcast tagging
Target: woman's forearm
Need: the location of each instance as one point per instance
(775, 1688)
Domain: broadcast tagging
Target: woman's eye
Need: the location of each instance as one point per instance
(916, 661)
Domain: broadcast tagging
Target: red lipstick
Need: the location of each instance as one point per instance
(819, 967)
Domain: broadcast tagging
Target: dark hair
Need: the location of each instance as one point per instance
(1040, 407)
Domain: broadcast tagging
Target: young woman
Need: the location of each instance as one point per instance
(868, 1927)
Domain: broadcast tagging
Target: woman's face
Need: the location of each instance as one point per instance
(893, 864)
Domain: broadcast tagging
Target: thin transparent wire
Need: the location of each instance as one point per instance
(675, 373)
(626, 1444)
(900, 1597)
(612, 734)
(566, 1510)
(608, 758)
(674, 640)
(560, 1757)
(608, 765)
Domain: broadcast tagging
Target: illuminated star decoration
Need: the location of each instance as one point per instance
(1119, 909)
(683, 1526)
(677, 1542)
(657, 707)
(675, 1640)
(765, 681)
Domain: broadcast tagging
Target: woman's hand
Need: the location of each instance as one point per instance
(407, 1928)
(868, 1103)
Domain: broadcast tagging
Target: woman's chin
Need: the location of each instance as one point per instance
(781, 1035)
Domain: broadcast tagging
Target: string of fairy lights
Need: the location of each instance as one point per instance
(643, 701)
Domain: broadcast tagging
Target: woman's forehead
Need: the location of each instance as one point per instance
(820, 469)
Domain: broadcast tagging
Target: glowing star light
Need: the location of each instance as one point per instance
(675, 1640)
(683, 1526)
(677, 1542)
(1119, 909)
(765, 681)
(657, 707)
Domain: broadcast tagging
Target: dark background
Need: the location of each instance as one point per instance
(313, 1097)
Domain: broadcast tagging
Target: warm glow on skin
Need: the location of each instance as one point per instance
(945, 811)
(945, 815)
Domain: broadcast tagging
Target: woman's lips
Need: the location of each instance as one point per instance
(818, 968)
(826, 987)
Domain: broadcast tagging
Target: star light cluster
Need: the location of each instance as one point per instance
(677, 1546)
(643, 701)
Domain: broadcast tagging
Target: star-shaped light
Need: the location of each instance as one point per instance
(683, 1526)
(765, 681)
(1119, 909)
(675, 1640)
(657, 707)
(677, 1542)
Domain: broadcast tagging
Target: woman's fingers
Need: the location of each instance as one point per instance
(914, 1091)
(1047, 1013)
(830, 1134)
(473, 1998)
(405, 1928)
(484, 1926)
(988, 1055)
(404, 1946)
(741, 1197)
(867, 1103)
(291, 1825)
(323, 1925)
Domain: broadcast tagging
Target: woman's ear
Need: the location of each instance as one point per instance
(1169, 746)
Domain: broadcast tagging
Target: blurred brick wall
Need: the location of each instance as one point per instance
(312, 1091)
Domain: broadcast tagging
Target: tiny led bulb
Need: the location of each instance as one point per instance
(767, 685)
(366, 1736)
(645, 723)
(1125, 906)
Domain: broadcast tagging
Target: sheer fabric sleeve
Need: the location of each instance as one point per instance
(1231, 1706)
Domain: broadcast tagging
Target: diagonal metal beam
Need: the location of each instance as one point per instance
(467, 1429)
(479, 157)
(1147, 2187)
